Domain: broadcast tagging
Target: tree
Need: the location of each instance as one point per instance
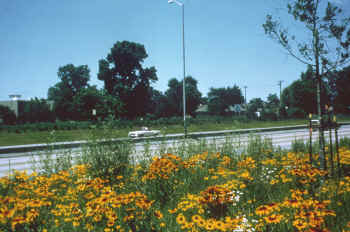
(159, 104)
(324, 46)
(271, 111)
(72, 81)
(340, 90)
(89, 99)
(300, 97)
(174, 95)
(125, 78)
(273, 101)
(220, 99)
(7, 115)
(36, 110)
(255, 105)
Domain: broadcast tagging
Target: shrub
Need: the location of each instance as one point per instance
(7, 115)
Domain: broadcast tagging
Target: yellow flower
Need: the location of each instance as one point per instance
(158, 214)
(263, 210)
(272, 182)
(299, 224)
(76, 223)
(210, 225)
(273, 219)
(180, 219)
(196, 218)
(220, 225)
(201, 223)
(110, 223)
(89, 227)
(97, 218)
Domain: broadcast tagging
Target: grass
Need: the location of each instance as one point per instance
(10, 139)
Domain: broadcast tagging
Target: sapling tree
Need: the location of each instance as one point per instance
(323, 43)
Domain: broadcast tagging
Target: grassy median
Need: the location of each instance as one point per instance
(35, 137)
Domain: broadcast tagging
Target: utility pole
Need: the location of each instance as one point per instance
(245, 94)
(280, 84)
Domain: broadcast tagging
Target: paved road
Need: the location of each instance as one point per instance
(284, 139)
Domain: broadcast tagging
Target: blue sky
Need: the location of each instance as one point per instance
(225, 42)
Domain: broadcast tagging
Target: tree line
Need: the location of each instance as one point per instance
(128, 94)
(127, 91)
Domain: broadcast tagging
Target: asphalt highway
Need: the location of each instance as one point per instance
(26, 160)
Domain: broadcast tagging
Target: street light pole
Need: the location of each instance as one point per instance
(184, 63)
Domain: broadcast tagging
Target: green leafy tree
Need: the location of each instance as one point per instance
(7, 115)
(255, 105)
(72, 80)
(324, 45)
(125, 78)
(340, 90)
(174, 95)
(91, 98)
(159, 104)
(36, 110)
(272, 108)
(220, 99)
(273, 101)
(300, 97)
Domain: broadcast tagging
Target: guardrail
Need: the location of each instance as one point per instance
(193, 135)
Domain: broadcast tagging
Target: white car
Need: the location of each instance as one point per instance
(143, 132)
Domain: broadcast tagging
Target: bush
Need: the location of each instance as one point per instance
(7, 115)
(269, 115)
(295, 112)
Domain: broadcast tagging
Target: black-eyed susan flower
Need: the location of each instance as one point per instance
(263, 210)
(300, 224)
(273, 218)
(180, 219)
(210, 225)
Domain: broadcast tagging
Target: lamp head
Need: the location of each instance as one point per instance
(175, 1)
